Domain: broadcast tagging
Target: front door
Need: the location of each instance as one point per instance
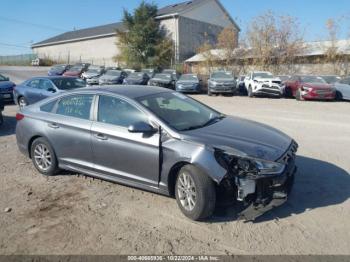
(116, 151)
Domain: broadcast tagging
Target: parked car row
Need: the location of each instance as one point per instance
(256, 83)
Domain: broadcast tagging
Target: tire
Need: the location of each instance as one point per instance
(288, 93)
(193, 184)
(338, 96)
(250, 91)
(46, 165)
(1, 118)
(209, 93)
(22, 102)
(298, 96)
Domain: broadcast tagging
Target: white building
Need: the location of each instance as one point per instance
(188, 24)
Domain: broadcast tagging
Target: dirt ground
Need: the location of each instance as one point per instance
(71, 214)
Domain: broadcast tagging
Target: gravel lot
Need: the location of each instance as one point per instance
(71, 214)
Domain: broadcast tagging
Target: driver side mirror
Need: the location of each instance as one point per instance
(142, 127)
(52, 90)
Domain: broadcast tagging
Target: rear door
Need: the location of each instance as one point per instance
(33, 92)
(69, 130)
(116, 151)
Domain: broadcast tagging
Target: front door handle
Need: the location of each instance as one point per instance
(101, 137)
(53, 125)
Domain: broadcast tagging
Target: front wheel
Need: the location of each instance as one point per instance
(195, 193)
(338, 96)
(298, 96)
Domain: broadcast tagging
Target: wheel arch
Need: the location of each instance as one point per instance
(30, 142)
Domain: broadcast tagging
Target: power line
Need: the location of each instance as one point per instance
(13, 45)
(32, 24)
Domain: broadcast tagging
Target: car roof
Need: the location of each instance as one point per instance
(130, 91)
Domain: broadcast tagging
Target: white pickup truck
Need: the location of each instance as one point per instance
(263, 83)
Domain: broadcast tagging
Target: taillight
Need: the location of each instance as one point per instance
(19, 116)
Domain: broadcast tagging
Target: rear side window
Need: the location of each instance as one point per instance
(48, 107)
(75, 106)
(115, 111)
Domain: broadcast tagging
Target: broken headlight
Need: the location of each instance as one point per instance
(248, 167)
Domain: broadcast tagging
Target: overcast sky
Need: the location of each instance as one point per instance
(23, 22)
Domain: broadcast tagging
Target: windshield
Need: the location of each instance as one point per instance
(76, 69)
(188, 78)
(163, 76)
(94, 71)
(331, 79)
(59, 67)
(136, 75)
(262, 75)
(313, 79)
(179, 111)
(345, 81)
(222, 75)
(2, 78)
(113, 73)
(68, 83)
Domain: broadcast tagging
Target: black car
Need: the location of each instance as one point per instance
(136, 78)
(58, 70)
(6, 89)
(1, 109)
(163, 80)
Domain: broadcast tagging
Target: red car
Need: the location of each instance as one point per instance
(76, 70)
(309, 88)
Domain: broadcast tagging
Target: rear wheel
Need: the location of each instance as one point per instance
(195, 193)
(22, 102)
(44, 157)
(209, 93)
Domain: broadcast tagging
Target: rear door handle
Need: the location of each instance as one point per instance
(53, 125)
(101, 137)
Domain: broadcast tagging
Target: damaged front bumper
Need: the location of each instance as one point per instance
(270, 193)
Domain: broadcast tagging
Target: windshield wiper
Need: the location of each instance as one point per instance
(209, 122)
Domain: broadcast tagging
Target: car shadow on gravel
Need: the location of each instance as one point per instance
(317, 184)
(8, 127)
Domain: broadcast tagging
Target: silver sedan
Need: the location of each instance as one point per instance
(161, 141)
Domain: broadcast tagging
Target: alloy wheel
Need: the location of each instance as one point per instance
(187, 191)
(22, 102)
(42, 157)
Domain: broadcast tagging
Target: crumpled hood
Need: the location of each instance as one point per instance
(6, 84)
(273, 79)
(240, 136)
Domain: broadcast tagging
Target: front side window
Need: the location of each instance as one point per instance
(34, 83)
(69, 83)
(179, 111)
(115, 111)
(75, 106)
(46, 85)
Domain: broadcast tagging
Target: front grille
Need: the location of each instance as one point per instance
(289, 154)
(6, 90)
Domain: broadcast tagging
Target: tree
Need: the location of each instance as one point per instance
(274, 40)
(228, 42)
(332, 54)
(141, 41)
(208, 58)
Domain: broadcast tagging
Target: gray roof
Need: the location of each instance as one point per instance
(110, 29)
(130, 91)
(178, 8)
(75, 35)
